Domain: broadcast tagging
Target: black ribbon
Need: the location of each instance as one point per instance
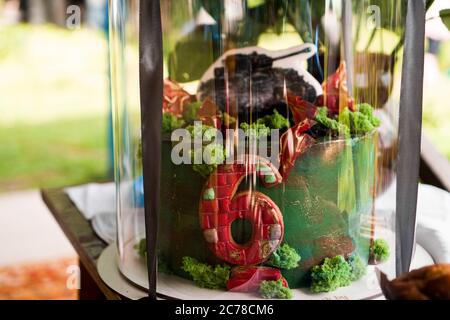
(410, 129)
(151, 95)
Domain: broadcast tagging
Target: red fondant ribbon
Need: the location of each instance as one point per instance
(248, 279)
(301, 109)
(335, 92)
(175, 98)
(294, 142)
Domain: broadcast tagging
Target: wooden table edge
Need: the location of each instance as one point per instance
(87, 262)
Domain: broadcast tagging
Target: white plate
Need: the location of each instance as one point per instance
(179, 288)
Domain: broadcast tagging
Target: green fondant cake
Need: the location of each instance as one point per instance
(326, 204)
(304, 220)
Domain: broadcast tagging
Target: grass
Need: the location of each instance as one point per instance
(53, 107)
(53, 154)
(49, 73)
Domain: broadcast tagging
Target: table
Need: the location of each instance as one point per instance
(85, 242)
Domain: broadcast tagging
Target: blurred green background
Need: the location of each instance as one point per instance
(54, 104)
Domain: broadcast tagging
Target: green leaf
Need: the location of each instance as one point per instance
(445, 16)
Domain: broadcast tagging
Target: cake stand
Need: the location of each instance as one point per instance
(174, 287)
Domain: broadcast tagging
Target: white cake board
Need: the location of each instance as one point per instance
(179, 288)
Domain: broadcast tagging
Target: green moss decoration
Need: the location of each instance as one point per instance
(274, 121)
(334, 125)
(190, 112)
(360, 122)
(202, 132)
(367, 110)
(216, 152)
(206, 276)
(216, 157)
(274, 290)
(379, 251)
(209, 194)
(141, 249)
(350, 123)
(358, 267)
(171, 123)
(262, 127)
(204, 170)
(163, 265)
(331, 274)
(256, 130)
(285, 257)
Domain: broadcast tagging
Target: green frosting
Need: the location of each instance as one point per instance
(209, 194)
(285, 257)
(331, 274)
(358, 267)
(379, 250)
(274, 290)
(206, 276)
(170, 123)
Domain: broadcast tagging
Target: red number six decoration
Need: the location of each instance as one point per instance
(220, 206)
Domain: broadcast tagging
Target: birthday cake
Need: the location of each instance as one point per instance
(267, 180)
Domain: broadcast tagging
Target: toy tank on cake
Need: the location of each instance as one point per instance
(256, 152)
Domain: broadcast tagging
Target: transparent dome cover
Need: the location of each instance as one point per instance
(266, 137)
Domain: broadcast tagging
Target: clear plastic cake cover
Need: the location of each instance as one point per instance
(257, 144)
